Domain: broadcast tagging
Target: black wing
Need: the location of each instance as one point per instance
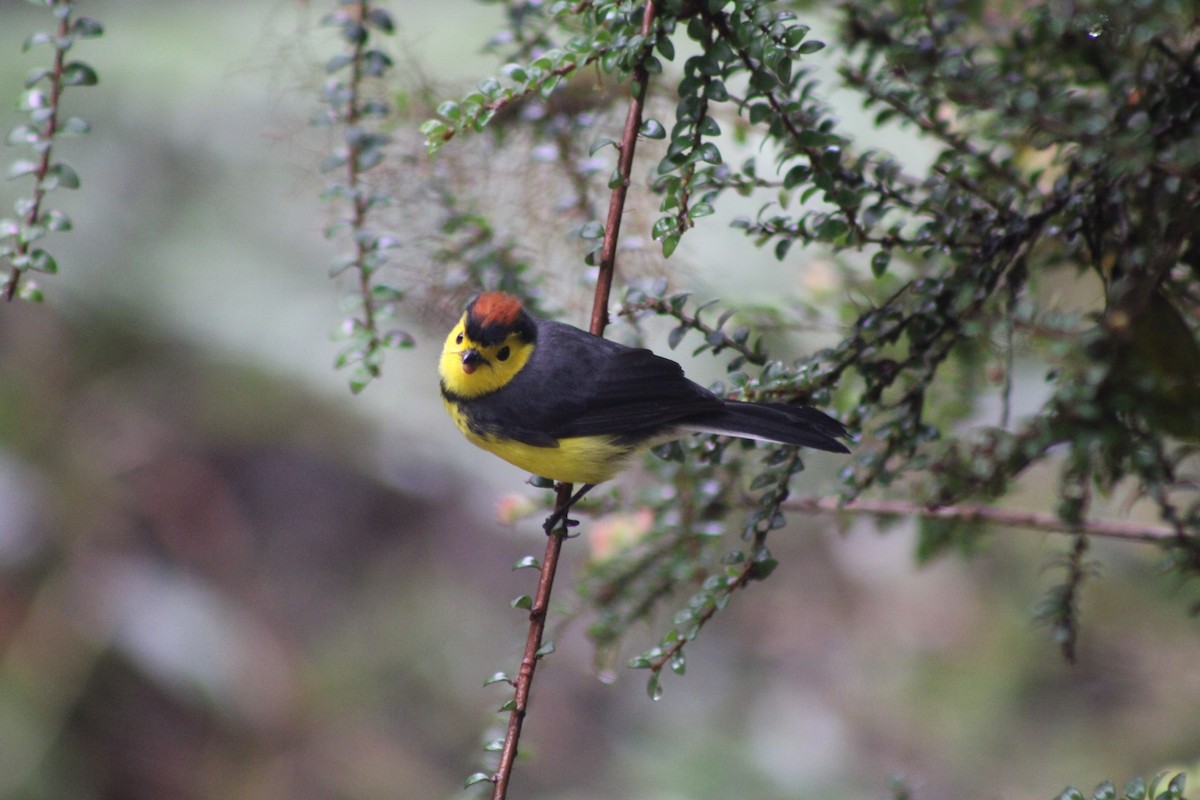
(577, 384)
(635, 393)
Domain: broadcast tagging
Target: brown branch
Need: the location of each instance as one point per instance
(556, 537)
(616, 204)
(533, 643)
(1112, 529)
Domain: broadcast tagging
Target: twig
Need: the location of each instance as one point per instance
(9, 290)
(533, 644)
(554, 543)
(361, 195)
(1112, 529)
(660, 306)
(616, 203)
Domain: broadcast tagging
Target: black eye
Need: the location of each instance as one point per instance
(503, 353)
(458, 340)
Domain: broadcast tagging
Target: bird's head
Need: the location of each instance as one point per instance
(488, 346)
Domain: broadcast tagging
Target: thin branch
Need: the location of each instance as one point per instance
(1049, 523)
(533, 644)
(660, 306)
(616, 204)
(360, 204)
(43, 165)
(599, 320)
(780, 108)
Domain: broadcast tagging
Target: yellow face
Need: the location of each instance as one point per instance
(470, 369)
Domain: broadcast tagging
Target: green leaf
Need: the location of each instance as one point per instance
(21, 167)
(591, 230)
(477, 777)
(524, 602)
(811, 46)
(545, 650)
(86, 28)
(514, 72)
(36, 74)
(74, 126)
(23, 134)
(41, 37)
(381, 20)
(669, 243)
(41, 261)
(761, 568)
(498, 677)
(58, 176)
(666, 48)
(375, 63)
(654, 689)
(709, 153)
(652, 129)
(34, 99)
(30, 292)
(78, 73)
(56, 221)
(528, 562)
(879, 263)
(676, 336)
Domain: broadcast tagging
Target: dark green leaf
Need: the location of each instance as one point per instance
(78, 73)
(60, 175)
(652, 129)
(879, 263)
(381, 20)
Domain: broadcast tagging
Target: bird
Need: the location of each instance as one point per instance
(573, 407)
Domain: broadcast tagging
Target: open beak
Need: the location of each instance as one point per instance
(471, 359)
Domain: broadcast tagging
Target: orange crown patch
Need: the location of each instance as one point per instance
(493, 316)
(496, 308)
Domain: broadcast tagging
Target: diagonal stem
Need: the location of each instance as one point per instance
(556, 537)
(533, 643)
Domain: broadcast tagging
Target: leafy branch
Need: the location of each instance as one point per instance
(362, 149)
(971, 513)
(46, 125)
(715, 337)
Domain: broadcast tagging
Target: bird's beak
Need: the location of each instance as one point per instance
(471, 359)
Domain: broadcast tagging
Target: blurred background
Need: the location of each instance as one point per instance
(224, 576)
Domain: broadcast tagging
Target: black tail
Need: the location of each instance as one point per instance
(774, 422)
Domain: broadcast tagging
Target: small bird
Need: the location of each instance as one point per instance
(571, 406)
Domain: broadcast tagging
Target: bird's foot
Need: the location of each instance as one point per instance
(560, 515)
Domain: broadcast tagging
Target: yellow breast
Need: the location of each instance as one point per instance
(579, 459)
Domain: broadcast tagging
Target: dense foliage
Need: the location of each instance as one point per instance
(1066, 160)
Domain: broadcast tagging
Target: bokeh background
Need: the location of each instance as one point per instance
(224, 576)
